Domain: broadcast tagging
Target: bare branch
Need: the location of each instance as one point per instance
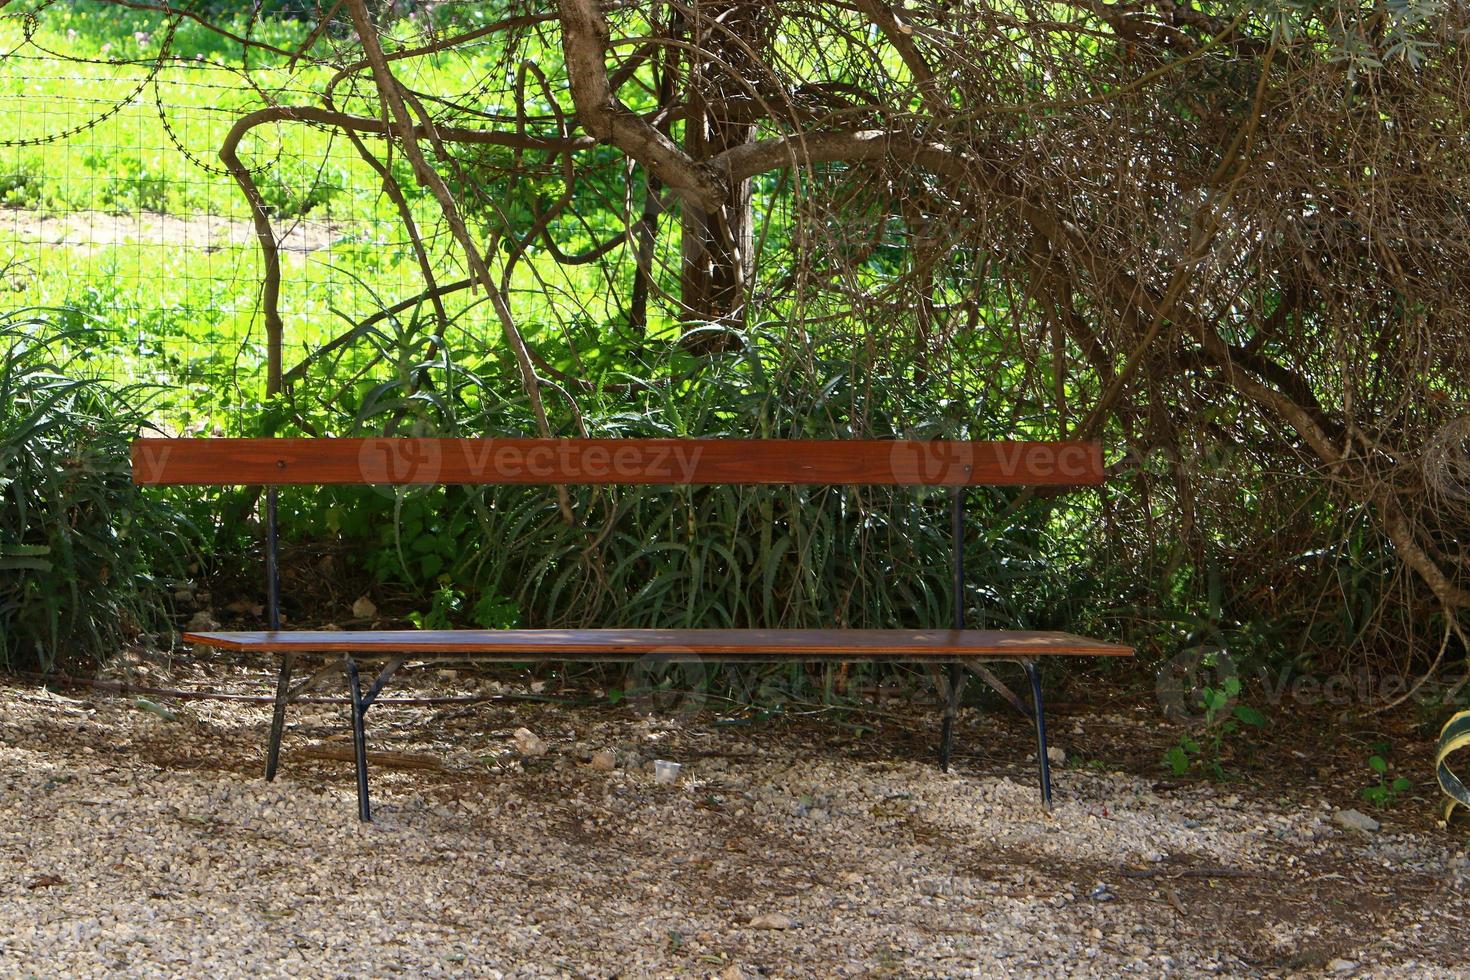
(584, 45)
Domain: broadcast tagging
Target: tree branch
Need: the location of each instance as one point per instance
(584, 46)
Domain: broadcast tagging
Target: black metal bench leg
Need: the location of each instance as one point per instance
(950, 691)
(278, 720)
(359, 741)
(1039, 715)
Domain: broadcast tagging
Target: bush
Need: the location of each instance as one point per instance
(293, 189)
(22, 186)
(689, 556)
(77, 539)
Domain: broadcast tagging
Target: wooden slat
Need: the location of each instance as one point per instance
(595, 644)
(317, 462)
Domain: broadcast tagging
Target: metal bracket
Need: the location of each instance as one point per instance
(1043, 761)
(313, 683)
(278, 719)
(950, 684)
(384, 676)
(978, 668)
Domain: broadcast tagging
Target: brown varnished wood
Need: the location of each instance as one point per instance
(726, 644)
(317, 462)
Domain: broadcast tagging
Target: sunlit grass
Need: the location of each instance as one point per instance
(121, 209)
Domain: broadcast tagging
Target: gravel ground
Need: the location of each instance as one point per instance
(138, 844)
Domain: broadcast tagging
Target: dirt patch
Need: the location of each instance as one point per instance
(91, 230)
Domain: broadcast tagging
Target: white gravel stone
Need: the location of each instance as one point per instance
(528, 743)
(131, 846)
(772, 920)
(1355, 820)
(202, 622)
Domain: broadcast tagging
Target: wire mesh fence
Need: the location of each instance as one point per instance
(116, 208)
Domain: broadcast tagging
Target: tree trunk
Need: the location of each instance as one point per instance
(645, 233)
(716, 244)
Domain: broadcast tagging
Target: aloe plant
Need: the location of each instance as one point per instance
(708, 555)
(78, 541)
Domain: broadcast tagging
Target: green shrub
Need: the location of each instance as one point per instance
(685, 556)
(294, 188)
(21, 186)
(77, 540)
(132, 183)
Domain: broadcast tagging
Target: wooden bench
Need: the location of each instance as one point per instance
(273, 463)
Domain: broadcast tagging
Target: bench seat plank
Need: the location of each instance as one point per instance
(729, 644)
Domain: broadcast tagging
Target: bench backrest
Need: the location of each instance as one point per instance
(318, 462)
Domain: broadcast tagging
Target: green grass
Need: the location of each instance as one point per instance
(181, 306)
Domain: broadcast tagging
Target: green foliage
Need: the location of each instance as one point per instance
(132, 184)
(1385, 792)
(295, 189)
(446, 602)
(690, 556)
(21, 187)
(1222, 720)
(108, 30)
(447, 610)
(79, 544)
(1178, 757)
